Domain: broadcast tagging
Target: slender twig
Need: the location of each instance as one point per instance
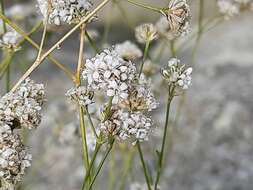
(161, 153)
(84, 140)
(101, 165)
(144, 56)
(42, 39)
(144, 166)
(126, 169)
(92, 43)
(159, 10)
(34, 44)
(200, 30)
(112, 170)
(57, 44)
(91, 122)
(5, 63)
(93, 159)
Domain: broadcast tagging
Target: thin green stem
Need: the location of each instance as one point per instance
(200, 30)
(161, 153)
(93, 159)
(112, 170)
(5, 63)
(144, 166)
(159, 10)
(101, 165)
(42, 40)
(91, 122)
(127, 169)
(172, 48)
(144, 56)
(92, 43)
(84, 140)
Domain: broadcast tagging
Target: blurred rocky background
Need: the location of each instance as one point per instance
(212, 142)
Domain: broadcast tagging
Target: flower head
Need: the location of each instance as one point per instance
(80, 95)
(109, 72)
(128, 50)
(63, 11)
(177, 75)
(14, 158)
(145, 32)
(228, 8)
(22, 107)
(127, 126)
(10, 40)
(141, 97)
(178, 16)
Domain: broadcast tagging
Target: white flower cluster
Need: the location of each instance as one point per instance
(14, 158)
(141, 97)
(231, 8)
(80, 95)
(109, 72)
(10, 40)
(145, 32)
(18, 109)
(22, 108)
(127, 126)
(177, 22)
(164, 29)
(63, 11)
(128, 51)
(177, 75)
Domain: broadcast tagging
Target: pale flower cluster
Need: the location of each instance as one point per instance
(107, 71)
(145, 33)
(177, 75)
(178, 16)
(14, 158)
(63, 11)
(128, 50)
(231, 8)
(127, 126)
(20, 108)
(80, 95)
(10, 40)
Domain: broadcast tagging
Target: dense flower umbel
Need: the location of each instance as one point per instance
(126, 125)
(107, 71)
(80, 95)
(177, 75)
(145, 32)
(228, 8)
(128, 50)
(10, 40)
(14, 158)
(22, 108)
(141, 97)
(164, 29)
(231, 8)
(178, 16)
(63, 11)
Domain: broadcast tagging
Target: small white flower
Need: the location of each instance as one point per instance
(14, 159)
(145, 32)
(10, 40)
(63, 11)
(80, 95)
(127, 126)
(228, 8)
(23, 107)
(141, 97)
(178, 18)
(107, 71)
(128, 51)
(177, 75)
